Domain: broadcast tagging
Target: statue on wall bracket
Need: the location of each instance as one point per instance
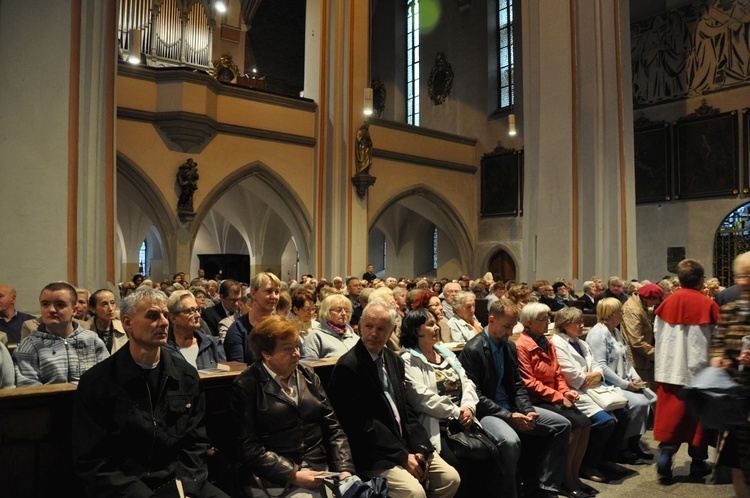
(187, 180)
(441, 80)
(362, 180)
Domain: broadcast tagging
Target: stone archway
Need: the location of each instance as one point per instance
(408, 222)
(253, 211)
(141, 208)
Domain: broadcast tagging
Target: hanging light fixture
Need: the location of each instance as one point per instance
(134, 49)
(368, 102)
(220, 7)
(512, 124)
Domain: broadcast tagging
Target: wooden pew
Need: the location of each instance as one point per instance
(35, 434)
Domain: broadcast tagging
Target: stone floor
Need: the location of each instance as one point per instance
(643, 482)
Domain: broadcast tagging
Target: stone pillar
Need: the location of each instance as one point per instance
(577, 128)
(57, 188)
(341, 220)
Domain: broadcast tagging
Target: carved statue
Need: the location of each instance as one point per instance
(364, 149)
(187, 179)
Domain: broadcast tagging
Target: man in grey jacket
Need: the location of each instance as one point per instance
(59, 350)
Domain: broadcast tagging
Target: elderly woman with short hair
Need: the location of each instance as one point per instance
(547, 388)
(287, 431)
(463, 326)
(185, 339)
(582, 372)
(611, 352)
(333, 336)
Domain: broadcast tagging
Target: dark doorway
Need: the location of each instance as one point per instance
(234, 266)
(501, 263)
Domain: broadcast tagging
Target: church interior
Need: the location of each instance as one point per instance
(530, 138)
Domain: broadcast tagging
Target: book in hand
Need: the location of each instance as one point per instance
(231, 366)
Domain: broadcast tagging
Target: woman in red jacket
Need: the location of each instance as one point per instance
(537, 361)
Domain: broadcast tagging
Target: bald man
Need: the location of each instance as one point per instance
(11, 320)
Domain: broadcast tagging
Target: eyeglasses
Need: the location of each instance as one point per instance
(191, 311)
(741, 276)
(308, 309)
(340, 311)
(542, 319)
(233, 301)
(577, 322)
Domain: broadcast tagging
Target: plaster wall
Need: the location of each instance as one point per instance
(34, 145)
(690, 224)
(224, 155)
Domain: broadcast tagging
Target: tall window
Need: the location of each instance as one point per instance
(434, 250)
(505, 53)
(412, 63)
(142, 260)
(384, 254)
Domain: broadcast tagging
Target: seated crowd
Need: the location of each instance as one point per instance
(414, 366)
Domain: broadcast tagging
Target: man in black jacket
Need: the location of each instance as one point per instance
(505, 410)
(229, 291)
(138, 416)
(367, 390)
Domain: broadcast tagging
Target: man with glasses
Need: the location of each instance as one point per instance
(353, 289)
(229, 292)
(138, 416)
(185, 339)
(449, 292)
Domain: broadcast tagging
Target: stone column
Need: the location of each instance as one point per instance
(579, 204)
(57, 189)
(341, 217)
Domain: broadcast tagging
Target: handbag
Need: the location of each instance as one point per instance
(609, 398)
(472, 443)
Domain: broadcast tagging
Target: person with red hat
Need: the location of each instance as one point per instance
(638, 331)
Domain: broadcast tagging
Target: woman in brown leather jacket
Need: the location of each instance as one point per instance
(287, 431)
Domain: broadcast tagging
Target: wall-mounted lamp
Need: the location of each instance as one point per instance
(134, 48)
(368, 102)
(220, 7)
(511, 124)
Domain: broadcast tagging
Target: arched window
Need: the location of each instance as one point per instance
(434, 250)
(412, 63)
(505, 59)
(142, 267)
(732, 239)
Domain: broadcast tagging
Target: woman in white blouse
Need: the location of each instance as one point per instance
(611, 353)
(582, 372)
(439, 389)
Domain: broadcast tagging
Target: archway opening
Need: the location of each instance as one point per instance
(732, 239)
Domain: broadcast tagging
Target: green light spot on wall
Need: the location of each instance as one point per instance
(429, 15)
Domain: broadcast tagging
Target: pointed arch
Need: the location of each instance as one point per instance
(502, 255)
(153, 204)
(436, 208)
(282, 199)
